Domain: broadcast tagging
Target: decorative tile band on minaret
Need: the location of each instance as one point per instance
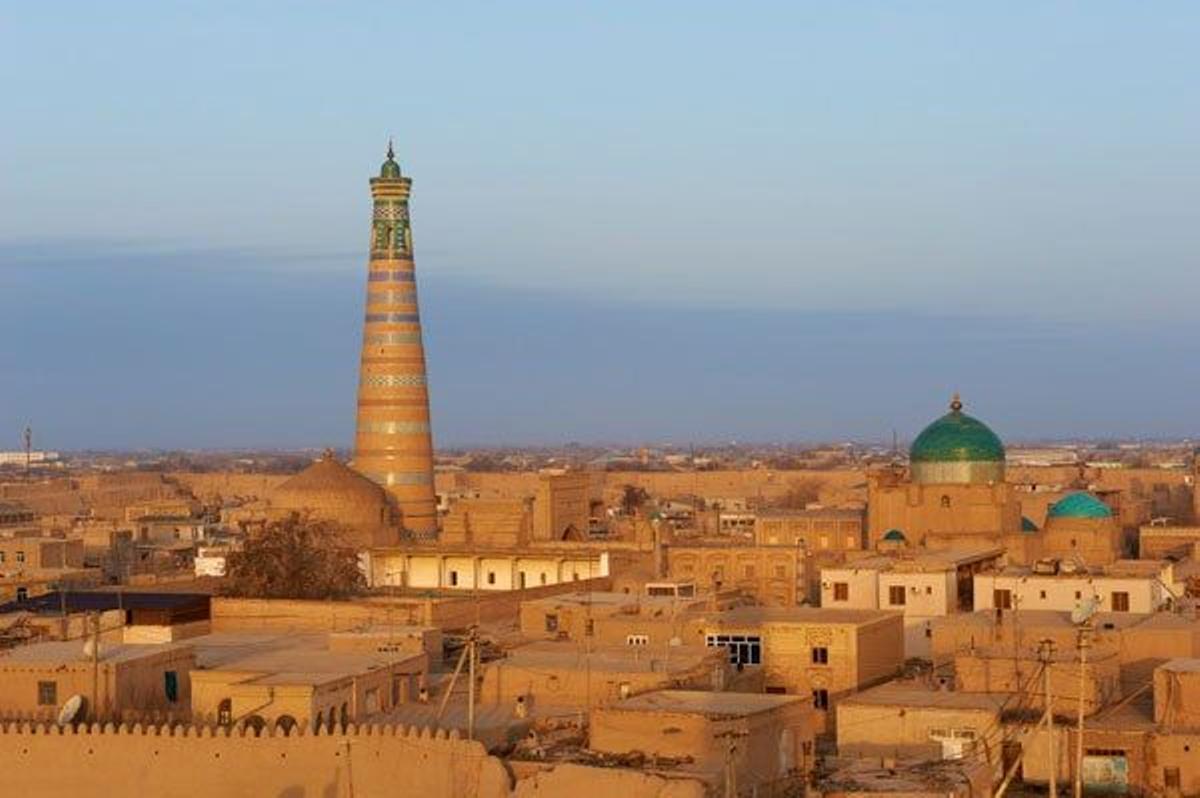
(393, 445)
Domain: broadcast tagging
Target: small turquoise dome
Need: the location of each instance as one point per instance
(1028, 526)
(895, 536)
(1079, 505)
(957, 437)
(390, 168)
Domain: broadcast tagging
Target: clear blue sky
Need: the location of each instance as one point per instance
(686, 221)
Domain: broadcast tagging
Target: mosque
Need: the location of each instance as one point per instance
(955, 495)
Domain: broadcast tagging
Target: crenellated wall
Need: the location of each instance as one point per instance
(187, 761)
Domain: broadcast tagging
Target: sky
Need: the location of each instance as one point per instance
(686, 222)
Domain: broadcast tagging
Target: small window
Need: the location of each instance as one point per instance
(225, 712)
(637, 640)
(47, 694)
(1120, 601)
(454, 579)
(1041, 594)
(542, 576)
(589, 627)
(820, 655)
(171, 685)
(551, 623)
(897, 596)
(22, 594)
(945, 501)
(1078, 595)
(841, 591)
(1002, 599)
(491, 577)
(20, 556)
(821, 698)
(929, 590)
(929, 631)
(1, 556)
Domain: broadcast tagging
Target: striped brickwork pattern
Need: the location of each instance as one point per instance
(393, 443)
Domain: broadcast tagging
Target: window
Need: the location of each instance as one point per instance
(824, 541)
(945, 501)
(1, 556)
(928, 590)
(22, 594)
(821, 698)
(225, 712)
(1120, 601)
(637, 640)
(896, 596)
(20, 556)
(542, 576)
(841, 591)
(453, 578)
(589, 627)
(851, 542)
(491, 577)
(171, 685)
(47, 694)
(1078, 595)
(1041, 594)
(743, 649)
(820, 655)
(780, 571)
(1002, 599)
(396, 690)
(551, 623)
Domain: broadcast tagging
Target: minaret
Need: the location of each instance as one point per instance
(393, 445)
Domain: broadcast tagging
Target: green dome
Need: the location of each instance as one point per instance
(1027, 525)
(390, 168)
(957, 438)
(1079, 505)
(895, 536)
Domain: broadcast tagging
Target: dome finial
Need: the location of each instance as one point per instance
(391, 155)
(956, 404)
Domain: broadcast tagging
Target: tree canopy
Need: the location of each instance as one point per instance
(297, 557)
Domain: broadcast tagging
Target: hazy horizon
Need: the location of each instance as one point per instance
(687, 222)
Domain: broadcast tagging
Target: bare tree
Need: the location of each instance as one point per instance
(298, 557)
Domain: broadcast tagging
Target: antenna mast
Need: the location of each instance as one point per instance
(28, 447)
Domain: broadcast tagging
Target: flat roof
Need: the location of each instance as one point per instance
(571, 656)
(924, 561)
(908, 694)
(65, 652)
(700, 702)
(286, 652)
(808, 615)
(1181, 665)
(100, 600)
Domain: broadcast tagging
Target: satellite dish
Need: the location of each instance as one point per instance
(1084, 611)
(72, 708)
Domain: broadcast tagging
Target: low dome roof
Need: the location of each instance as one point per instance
(895, 536)
(328, 477)
(957, 437)
(1079, 504)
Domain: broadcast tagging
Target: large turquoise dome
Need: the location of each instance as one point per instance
(1079, 505)
(957, 448)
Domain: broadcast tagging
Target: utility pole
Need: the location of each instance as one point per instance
(1084, 642)
(1046, 653)
(96, 666)
(28, 448)
(732, 735)
(471, 654)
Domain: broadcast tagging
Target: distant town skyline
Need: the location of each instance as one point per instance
(800, 222)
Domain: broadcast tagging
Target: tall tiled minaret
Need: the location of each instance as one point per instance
(393, 445)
